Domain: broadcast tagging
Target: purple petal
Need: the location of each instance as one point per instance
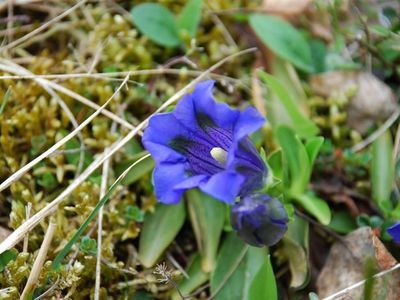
(166, 176)
(250, 120)
(162, 129)
(224, 186)
(394, 232)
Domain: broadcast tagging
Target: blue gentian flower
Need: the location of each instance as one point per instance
(259, 219)
(204, 144)
(394, 232)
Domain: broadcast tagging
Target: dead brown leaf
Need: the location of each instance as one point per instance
(286, 7)
(344, 267)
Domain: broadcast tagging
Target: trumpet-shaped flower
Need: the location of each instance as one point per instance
(204, 144)
(259, 219)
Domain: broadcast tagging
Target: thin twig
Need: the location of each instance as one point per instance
(39, 261)
(18, 233)
(103, 190)
(41, 28)
(111, 75)
(389, 122)
(360, 283)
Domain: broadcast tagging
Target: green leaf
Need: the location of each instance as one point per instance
(242, 272)
(189, 18)
(263, 285)
(145, 166)
(159, 231)
(275, 164)
(88, 246)
(295, 246)
(296, 159)
(295, 119)
(313, 145)
(157, 23)
(197, 277)
(48, 181)
(134, 213)
(342, 222)
(315, 206)
(283, 39)
(382, 171)
(205, 215)
(227, 278)
(6, 257)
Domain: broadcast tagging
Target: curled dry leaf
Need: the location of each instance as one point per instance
(286, 7)
(345, 267)
(373, 101)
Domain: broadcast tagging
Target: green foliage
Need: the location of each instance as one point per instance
(134, 213)
(382, 171)
(298, 159)
(48, 181)
(189, 18)
(159, 230)
(302, 125)
(197, 277)
(137, 172)
(205, 215)
(296, 247)
(88, 246)
(242, 272)
(342, 222)
(283, 39)
(6, 257)
(159, 24)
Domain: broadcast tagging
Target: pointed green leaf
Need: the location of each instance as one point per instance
(312, 147)
(140, 169)
(294, 118)
(263, 285)
(227, 277)
(296, 159)
(197, 277)
(382, 170)
(159, 231)
(242, 272)
(189, 17)
(206, 217)
(295, 246)
(283, 39)
(315, 206)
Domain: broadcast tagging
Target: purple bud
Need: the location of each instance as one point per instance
(259, 220)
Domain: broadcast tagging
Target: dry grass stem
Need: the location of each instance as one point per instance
(377, 133)
(40, 259)
(343, 293)
(28, 208)
(103, 190)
